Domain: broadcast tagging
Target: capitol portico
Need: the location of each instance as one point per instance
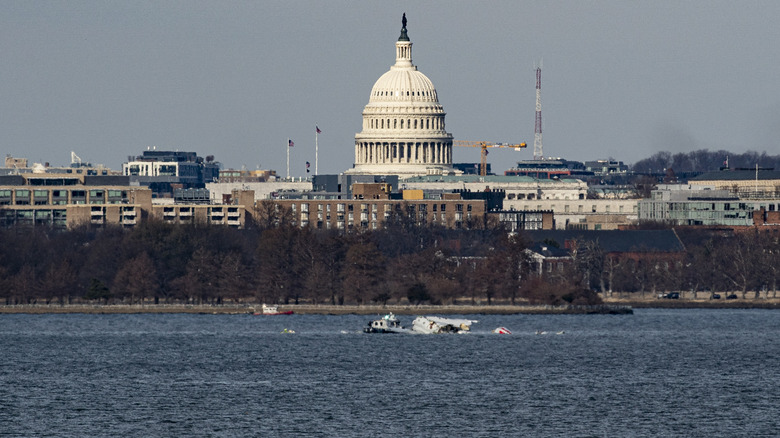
(403, 123)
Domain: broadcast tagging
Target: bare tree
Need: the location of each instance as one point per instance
(363, 271)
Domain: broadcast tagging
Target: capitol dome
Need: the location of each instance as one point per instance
(403, 85)
(403, 123)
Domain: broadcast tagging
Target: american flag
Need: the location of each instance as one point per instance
(290, 143)
(307, 167)
(317, 129)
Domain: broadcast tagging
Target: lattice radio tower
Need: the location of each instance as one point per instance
(538, 153)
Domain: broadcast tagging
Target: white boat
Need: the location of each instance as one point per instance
(436, 325)
(387, 324)
(271, 310)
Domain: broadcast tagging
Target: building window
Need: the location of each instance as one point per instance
(40, 197)
(97, 196)
(22, 197)
(78, 197)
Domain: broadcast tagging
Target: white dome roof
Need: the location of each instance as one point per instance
(403, 85)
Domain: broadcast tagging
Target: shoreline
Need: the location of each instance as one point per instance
(308, 309)
(611, 306)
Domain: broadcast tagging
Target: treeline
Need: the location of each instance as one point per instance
(745, 262)
(704, 160)
(197, 264)
(163, 263)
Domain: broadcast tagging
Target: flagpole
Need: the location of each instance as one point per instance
(316, 150)
(288, 158)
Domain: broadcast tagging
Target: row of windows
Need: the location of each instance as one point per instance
(417, 93)
(210, 210)
(422, 214)
(532, 196)
(387, 207)
(56, 218)
(61, 197)
(410, 124)
(593, 209)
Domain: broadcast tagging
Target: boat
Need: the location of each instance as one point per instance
(502, 331)
(272, 310)
(437, 325)
(386, 324)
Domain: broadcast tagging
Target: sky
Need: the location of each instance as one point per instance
(235, 79)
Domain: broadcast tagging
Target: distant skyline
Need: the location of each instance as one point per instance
(620, 79)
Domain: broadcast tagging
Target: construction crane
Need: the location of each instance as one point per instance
(484, 145)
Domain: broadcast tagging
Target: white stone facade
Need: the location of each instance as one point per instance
(587, 214)
(403, 124)
(516, 188)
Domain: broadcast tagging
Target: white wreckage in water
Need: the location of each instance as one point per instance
(422, 324)
(436, 325)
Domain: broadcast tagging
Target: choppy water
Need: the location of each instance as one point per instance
(655, 373)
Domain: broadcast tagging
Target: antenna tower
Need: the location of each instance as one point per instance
(538, 154)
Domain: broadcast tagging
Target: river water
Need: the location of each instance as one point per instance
(655, 373)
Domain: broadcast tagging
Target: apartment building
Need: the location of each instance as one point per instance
(71, 200)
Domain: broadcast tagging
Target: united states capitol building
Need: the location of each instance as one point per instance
(404, 137)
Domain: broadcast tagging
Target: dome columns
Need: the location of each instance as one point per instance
(401, 152)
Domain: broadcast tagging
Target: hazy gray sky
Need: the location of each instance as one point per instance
(620, 79)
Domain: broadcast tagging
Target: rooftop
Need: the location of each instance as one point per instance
(615, 240)
(738, 175)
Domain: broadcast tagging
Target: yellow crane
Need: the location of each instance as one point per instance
(484, 145)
